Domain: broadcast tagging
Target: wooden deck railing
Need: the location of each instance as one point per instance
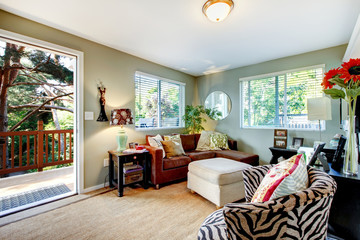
(35, 149)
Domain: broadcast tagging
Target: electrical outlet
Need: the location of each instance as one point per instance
(106, 162)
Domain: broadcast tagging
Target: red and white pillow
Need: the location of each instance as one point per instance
(283, 179)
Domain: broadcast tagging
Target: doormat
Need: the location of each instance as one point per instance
(28, 197)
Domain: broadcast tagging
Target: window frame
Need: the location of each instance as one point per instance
(182, 86)
(274, 74)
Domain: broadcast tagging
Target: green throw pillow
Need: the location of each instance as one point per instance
(218, 141)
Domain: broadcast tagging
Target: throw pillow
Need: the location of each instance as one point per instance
(172, 149)
(204, 141)
(284, 178)
(218, 141)
(174, 138)
(156, 142)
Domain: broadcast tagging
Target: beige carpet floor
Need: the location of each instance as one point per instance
(171, 212)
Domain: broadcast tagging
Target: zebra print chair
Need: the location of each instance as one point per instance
(303, 215)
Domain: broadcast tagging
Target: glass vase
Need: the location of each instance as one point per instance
(351, 148)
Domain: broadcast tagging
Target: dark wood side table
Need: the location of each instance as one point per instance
(344, 217)
(117, 160)
(287, 153)
(281, 152)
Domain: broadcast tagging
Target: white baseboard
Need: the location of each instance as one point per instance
(93, 188)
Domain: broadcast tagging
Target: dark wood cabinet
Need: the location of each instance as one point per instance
(287, 153)
(344, 219)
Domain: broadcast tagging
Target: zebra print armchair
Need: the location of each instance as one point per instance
(303, 215)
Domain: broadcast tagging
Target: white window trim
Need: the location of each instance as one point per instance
(79, 89)
(181, 111)
(268, 75)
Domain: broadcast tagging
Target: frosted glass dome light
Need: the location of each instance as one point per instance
(217, 10)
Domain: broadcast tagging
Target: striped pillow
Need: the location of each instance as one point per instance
(283, 179)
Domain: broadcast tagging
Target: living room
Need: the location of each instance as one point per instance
(115, 67)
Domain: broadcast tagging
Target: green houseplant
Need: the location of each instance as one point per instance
(194, 119)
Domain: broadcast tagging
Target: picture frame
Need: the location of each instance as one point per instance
(280, 132)
(280, 142)
(280, 138)
(132, 145)
(297, 142)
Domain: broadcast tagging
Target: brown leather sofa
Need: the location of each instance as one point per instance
(164, 170)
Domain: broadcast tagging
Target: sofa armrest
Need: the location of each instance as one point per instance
(232, 144)
(156, 161)
(252, 179)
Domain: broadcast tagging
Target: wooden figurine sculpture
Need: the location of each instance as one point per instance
(102, 116)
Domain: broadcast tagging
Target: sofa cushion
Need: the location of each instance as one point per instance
(204, 141)
(219, 171)
(175, 162)
(188, 142)
(218, 141)
(156, 142)
(199, 155)
(172, 148)
(197, 137)
(175, 138)
(249, 158)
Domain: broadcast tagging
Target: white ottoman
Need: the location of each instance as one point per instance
(219, 180)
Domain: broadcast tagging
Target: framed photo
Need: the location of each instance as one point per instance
(132, 145)
(280, 138)
(297, 142)
(280, 142)
(280, 133)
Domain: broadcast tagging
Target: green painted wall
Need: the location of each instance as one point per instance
(259, 140)
(116, 70)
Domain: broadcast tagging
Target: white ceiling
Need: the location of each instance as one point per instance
(176, 34)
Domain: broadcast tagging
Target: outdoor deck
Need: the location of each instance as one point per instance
(33, 181)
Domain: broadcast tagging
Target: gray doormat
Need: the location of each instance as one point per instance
(28, 197)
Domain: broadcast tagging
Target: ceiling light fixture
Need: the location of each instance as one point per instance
(217, 10)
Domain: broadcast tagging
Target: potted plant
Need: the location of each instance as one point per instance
(194, 119)
(347, 80)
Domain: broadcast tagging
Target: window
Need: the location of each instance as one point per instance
(278, 100)
(159, 102)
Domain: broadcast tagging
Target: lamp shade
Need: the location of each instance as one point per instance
(217, 10)
(121, 116)
(319, 108)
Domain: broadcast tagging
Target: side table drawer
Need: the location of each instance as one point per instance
(133, 158)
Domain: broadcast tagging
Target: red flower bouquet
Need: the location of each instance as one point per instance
(347, 80)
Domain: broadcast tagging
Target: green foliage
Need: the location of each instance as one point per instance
(193, 117)
(335, 93)
(147, 106)
(265, 99)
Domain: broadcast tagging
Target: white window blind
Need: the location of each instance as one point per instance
(159, 102)
(279, 100)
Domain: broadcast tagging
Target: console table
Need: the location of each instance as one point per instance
(117, 160)
(344, 216)
(287, 153)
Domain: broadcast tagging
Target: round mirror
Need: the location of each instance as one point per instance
(220, 101)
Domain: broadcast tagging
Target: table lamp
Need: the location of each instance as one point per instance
(121, 117)
(319, 109)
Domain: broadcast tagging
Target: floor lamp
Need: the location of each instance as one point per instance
(319, 109)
